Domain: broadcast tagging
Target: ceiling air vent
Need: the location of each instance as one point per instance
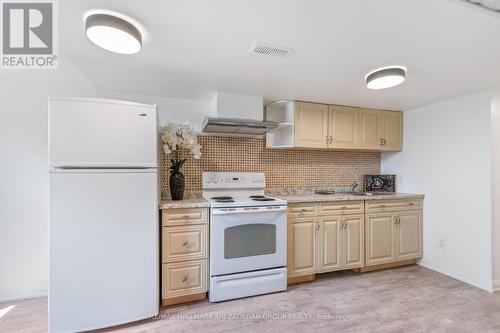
(270, 50)
(493, 5)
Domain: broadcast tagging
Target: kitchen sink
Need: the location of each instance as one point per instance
(369, 194)
(325, 192)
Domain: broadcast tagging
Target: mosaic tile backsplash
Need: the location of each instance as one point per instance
(284, 168)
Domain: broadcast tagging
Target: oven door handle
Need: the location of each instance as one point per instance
(248, 210)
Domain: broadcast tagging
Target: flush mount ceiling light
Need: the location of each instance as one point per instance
(113, 33)
(385, 77)
(493, 5)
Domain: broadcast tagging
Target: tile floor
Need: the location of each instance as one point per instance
(407, 299)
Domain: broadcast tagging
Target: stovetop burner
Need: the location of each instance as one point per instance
(263, 199)
(257, 196)
(224, 200)
(223, 197)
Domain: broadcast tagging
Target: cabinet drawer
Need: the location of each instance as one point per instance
(181, 216)
(378, 206)
(184, 278)
(184, 242)
(341, 208)
(302, 210)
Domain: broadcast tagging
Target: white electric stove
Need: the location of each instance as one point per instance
(248, 232)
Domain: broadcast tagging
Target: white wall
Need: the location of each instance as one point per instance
(23, 174)
(177, 110)
(447, 157)
(495, 130)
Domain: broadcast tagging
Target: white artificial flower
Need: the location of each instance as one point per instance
(180, 136)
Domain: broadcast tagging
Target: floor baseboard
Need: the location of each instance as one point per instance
(496, 285)
(23, 297)
(481, 285)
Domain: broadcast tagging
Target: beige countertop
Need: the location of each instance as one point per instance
(294, 198)
(187, 203)
(312, 197)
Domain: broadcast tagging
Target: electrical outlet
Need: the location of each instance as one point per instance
(442, 244)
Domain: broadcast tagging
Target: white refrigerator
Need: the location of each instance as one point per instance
(103, 213)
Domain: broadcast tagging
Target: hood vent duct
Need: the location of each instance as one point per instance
(237, 115)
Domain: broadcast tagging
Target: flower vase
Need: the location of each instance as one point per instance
(177, 185)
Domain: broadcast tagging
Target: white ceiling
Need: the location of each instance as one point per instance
(194, 48)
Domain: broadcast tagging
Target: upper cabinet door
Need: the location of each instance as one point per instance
(342, 126)
(369, 129)
(311, 125)
(391, 130)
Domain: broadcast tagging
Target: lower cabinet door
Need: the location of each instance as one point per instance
(353, 239)
(329, 250)
(409, 240)
(184, 278)
(301, 246)
(380, 242)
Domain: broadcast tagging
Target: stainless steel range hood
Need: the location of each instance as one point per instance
(237, 126)
(237, 115)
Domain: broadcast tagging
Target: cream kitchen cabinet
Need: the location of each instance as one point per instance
(380, 130)
(380, 238)
(313, 125)
(392, 234)
(340, 243)
(301, 246)
(184, 269)
(369, 129)
(391, 130)
(328, 239)
(342, 127)
(328, 249)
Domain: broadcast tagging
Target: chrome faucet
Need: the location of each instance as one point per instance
(353, 186)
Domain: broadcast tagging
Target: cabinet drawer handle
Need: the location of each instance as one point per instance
(411, 203)
(185, 217)
(382, 206)
(184, 279)
(185, 244)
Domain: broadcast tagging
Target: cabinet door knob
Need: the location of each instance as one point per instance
(184, 279)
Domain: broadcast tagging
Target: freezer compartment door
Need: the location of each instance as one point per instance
(102, 133)
(103, 248)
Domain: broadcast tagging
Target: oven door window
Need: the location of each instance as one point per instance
(249, 240)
